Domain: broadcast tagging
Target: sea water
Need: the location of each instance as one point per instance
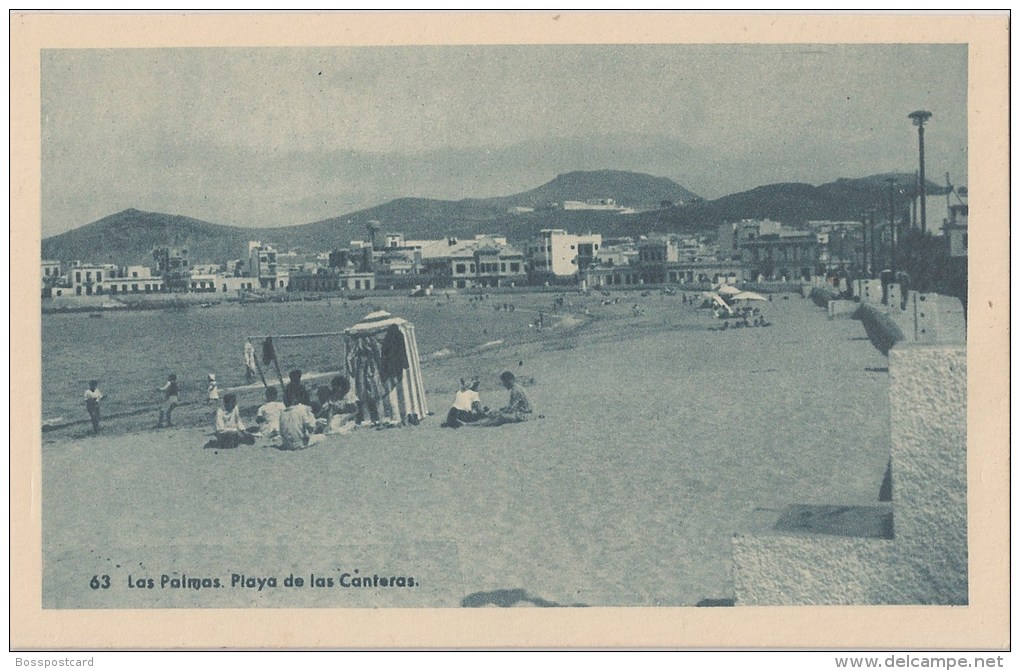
(131, 352)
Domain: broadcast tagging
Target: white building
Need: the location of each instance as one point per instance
(87, 279)
(50, 270)
(263, 264)
(598, 204)
(561, 254)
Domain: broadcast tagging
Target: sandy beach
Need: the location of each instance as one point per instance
(659, 440)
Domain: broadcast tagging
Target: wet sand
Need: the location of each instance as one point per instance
(660, 439)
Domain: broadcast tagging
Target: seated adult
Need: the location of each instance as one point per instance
(229, 429)
(295, 392)
(517, 409)
(297, 427)
(268, 416)
(339, 408)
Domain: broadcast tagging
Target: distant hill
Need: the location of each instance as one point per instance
(129, 236)
(630, 189)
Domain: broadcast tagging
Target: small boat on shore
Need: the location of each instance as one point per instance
(96, 315)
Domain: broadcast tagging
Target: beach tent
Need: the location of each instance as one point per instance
(748, 296)
(382, 355)
(715, 300)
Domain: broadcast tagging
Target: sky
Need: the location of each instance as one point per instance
(283, 136)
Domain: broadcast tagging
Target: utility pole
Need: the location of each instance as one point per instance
(920, 117)
(869, 243)
(949, 192)
(892, 221)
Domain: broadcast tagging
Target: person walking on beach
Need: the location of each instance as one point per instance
(229, 429)
(170, 396)
(214, 390)
(92, 398)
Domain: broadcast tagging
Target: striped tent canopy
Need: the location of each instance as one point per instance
(405, 403)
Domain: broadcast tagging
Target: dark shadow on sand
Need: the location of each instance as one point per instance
(508, 598)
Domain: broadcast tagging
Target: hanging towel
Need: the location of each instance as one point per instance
(268, 353)
(393, 357)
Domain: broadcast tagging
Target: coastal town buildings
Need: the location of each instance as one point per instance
(755, 250)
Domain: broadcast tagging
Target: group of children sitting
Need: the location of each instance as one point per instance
(297, 422)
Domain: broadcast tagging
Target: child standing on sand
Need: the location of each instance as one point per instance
(170, 391)
(214, 390)
(92, 398)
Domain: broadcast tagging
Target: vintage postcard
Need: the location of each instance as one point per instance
(509, 330)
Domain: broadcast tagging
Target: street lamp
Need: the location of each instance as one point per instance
(920, 117)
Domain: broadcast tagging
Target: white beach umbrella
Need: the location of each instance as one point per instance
(727, 290)
(748, 296)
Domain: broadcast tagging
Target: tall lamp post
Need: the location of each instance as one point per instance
(920, 117)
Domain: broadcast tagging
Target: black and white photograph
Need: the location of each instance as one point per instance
(505, 325)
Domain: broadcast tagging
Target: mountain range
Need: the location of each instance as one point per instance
(663, 206)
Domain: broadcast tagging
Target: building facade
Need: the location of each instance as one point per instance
(710, 271)
(559, 254)
(787, 255)
(325, 281)
(479, 262)
(174, 266)
(264, 266)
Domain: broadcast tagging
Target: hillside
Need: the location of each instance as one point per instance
(129, 236)
(630, 189)
(795, 203)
